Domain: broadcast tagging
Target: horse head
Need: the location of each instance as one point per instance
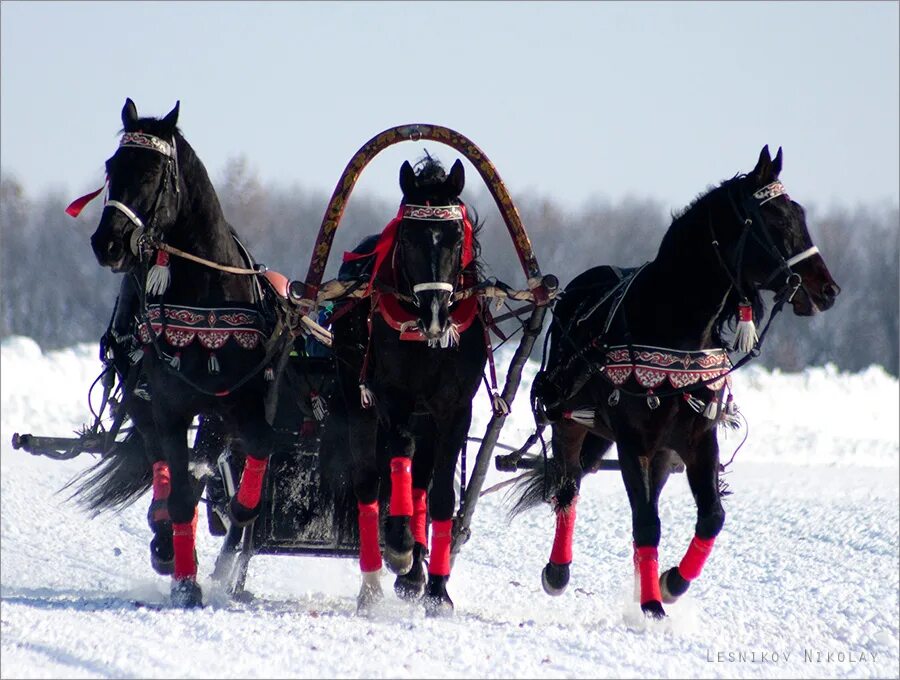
(144, 188)
(772, 246)
(434, 241)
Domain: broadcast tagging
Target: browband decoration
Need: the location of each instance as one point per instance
(432, 212)
(145, 141)
(770, 191)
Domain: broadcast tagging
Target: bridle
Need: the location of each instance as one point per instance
(429, 213)
(749, 213)
(142, 232)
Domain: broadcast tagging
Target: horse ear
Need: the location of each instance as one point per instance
(407, 179)
(171, 119)
(763, 166)
(457, 178)
(129, 114)
(776, 164)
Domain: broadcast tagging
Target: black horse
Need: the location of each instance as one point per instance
(410, 359)
(206, 318)
(129, 467)
(638, 357)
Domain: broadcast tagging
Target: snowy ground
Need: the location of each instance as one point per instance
(803, 581)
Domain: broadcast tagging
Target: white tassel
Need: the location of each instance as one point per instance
(498, 403)
(160, 276)
(712, 409)
(694, 403)
(745, 338)
(366, 398)
(613, 397)
(269, 374)
(318, 406)
(175, 361)
(136, 355)
(652, 401)
(582, 416)
(213, 364)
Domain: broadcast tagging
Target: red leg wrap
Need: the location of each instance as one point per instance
(439, 563)
(369, 550)
(565, 528)
(183, 542)
(419, 524)
(251, 481)
(401, 487)
(162, 481)
(648, 566)
(695, 557)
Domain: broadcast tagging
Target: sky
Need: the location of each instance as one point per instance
(571, 101)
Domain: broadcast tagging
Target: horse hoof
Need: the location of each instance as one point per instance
(398, 545)
(653, 610)
(672, 585)
(370, 592)
(240, 514)
(410, 586)
(555, 578)
(158, 516)
(437, 602)
(162, 553)
(186, 594)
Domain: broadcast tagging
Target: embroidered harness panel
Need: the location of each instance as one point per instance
(651, 366)
(212, 328)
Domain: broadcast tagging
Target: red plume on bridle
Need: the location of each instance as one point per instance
(388, 238)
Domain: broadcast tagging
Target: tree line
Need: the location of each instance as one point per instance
(54, 291)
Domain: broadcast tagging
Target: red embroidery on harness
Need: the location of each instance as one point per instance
(212, 328)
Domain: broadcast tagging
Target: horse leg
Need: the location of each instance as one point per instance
(182, 509)
(363, 427)
(398, 538)
(443, 502)
(256, 433)
(409, 586)
(703, 478)
(568, 440)
(644, 476)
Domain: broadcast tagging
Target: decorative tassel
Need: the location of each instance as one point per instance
(136, 355)
(652, 401)
(269, 374)
(175, 361)
(712, 409)
(318, 406)
(159, 276)
(731, 408)
(366, 398)
(745, 338)
(213, 364)
(582, 416)
(613, 397)
(694, 403)
(498, 403)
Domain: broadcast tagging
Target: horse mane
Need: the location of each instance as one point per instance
(685, 224)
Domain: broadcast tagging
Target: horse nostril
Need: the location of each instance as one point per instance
(831, 290)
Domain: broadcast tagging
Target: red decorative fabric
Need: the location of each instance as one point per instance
(211, 327)
(648, 568)
(183, 538)
(461, 316)
(419, 524)
(162, 481)
(251, 481)
(401, 487)
(369, 550)
(695, 557)
(565, 529)
(652, 366)
(439, 561)
(75, 207)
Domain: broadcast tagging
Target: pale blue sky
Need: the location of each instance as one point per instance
(570, 100)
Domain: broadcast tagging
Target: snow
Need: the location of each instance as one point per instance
(803, 581)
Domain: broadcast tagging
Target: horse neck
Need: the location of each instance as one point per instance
(685, 290)
(202, 230)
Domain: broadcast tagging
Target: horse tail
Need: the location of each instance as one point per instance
(116, 481)
(537, 485)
